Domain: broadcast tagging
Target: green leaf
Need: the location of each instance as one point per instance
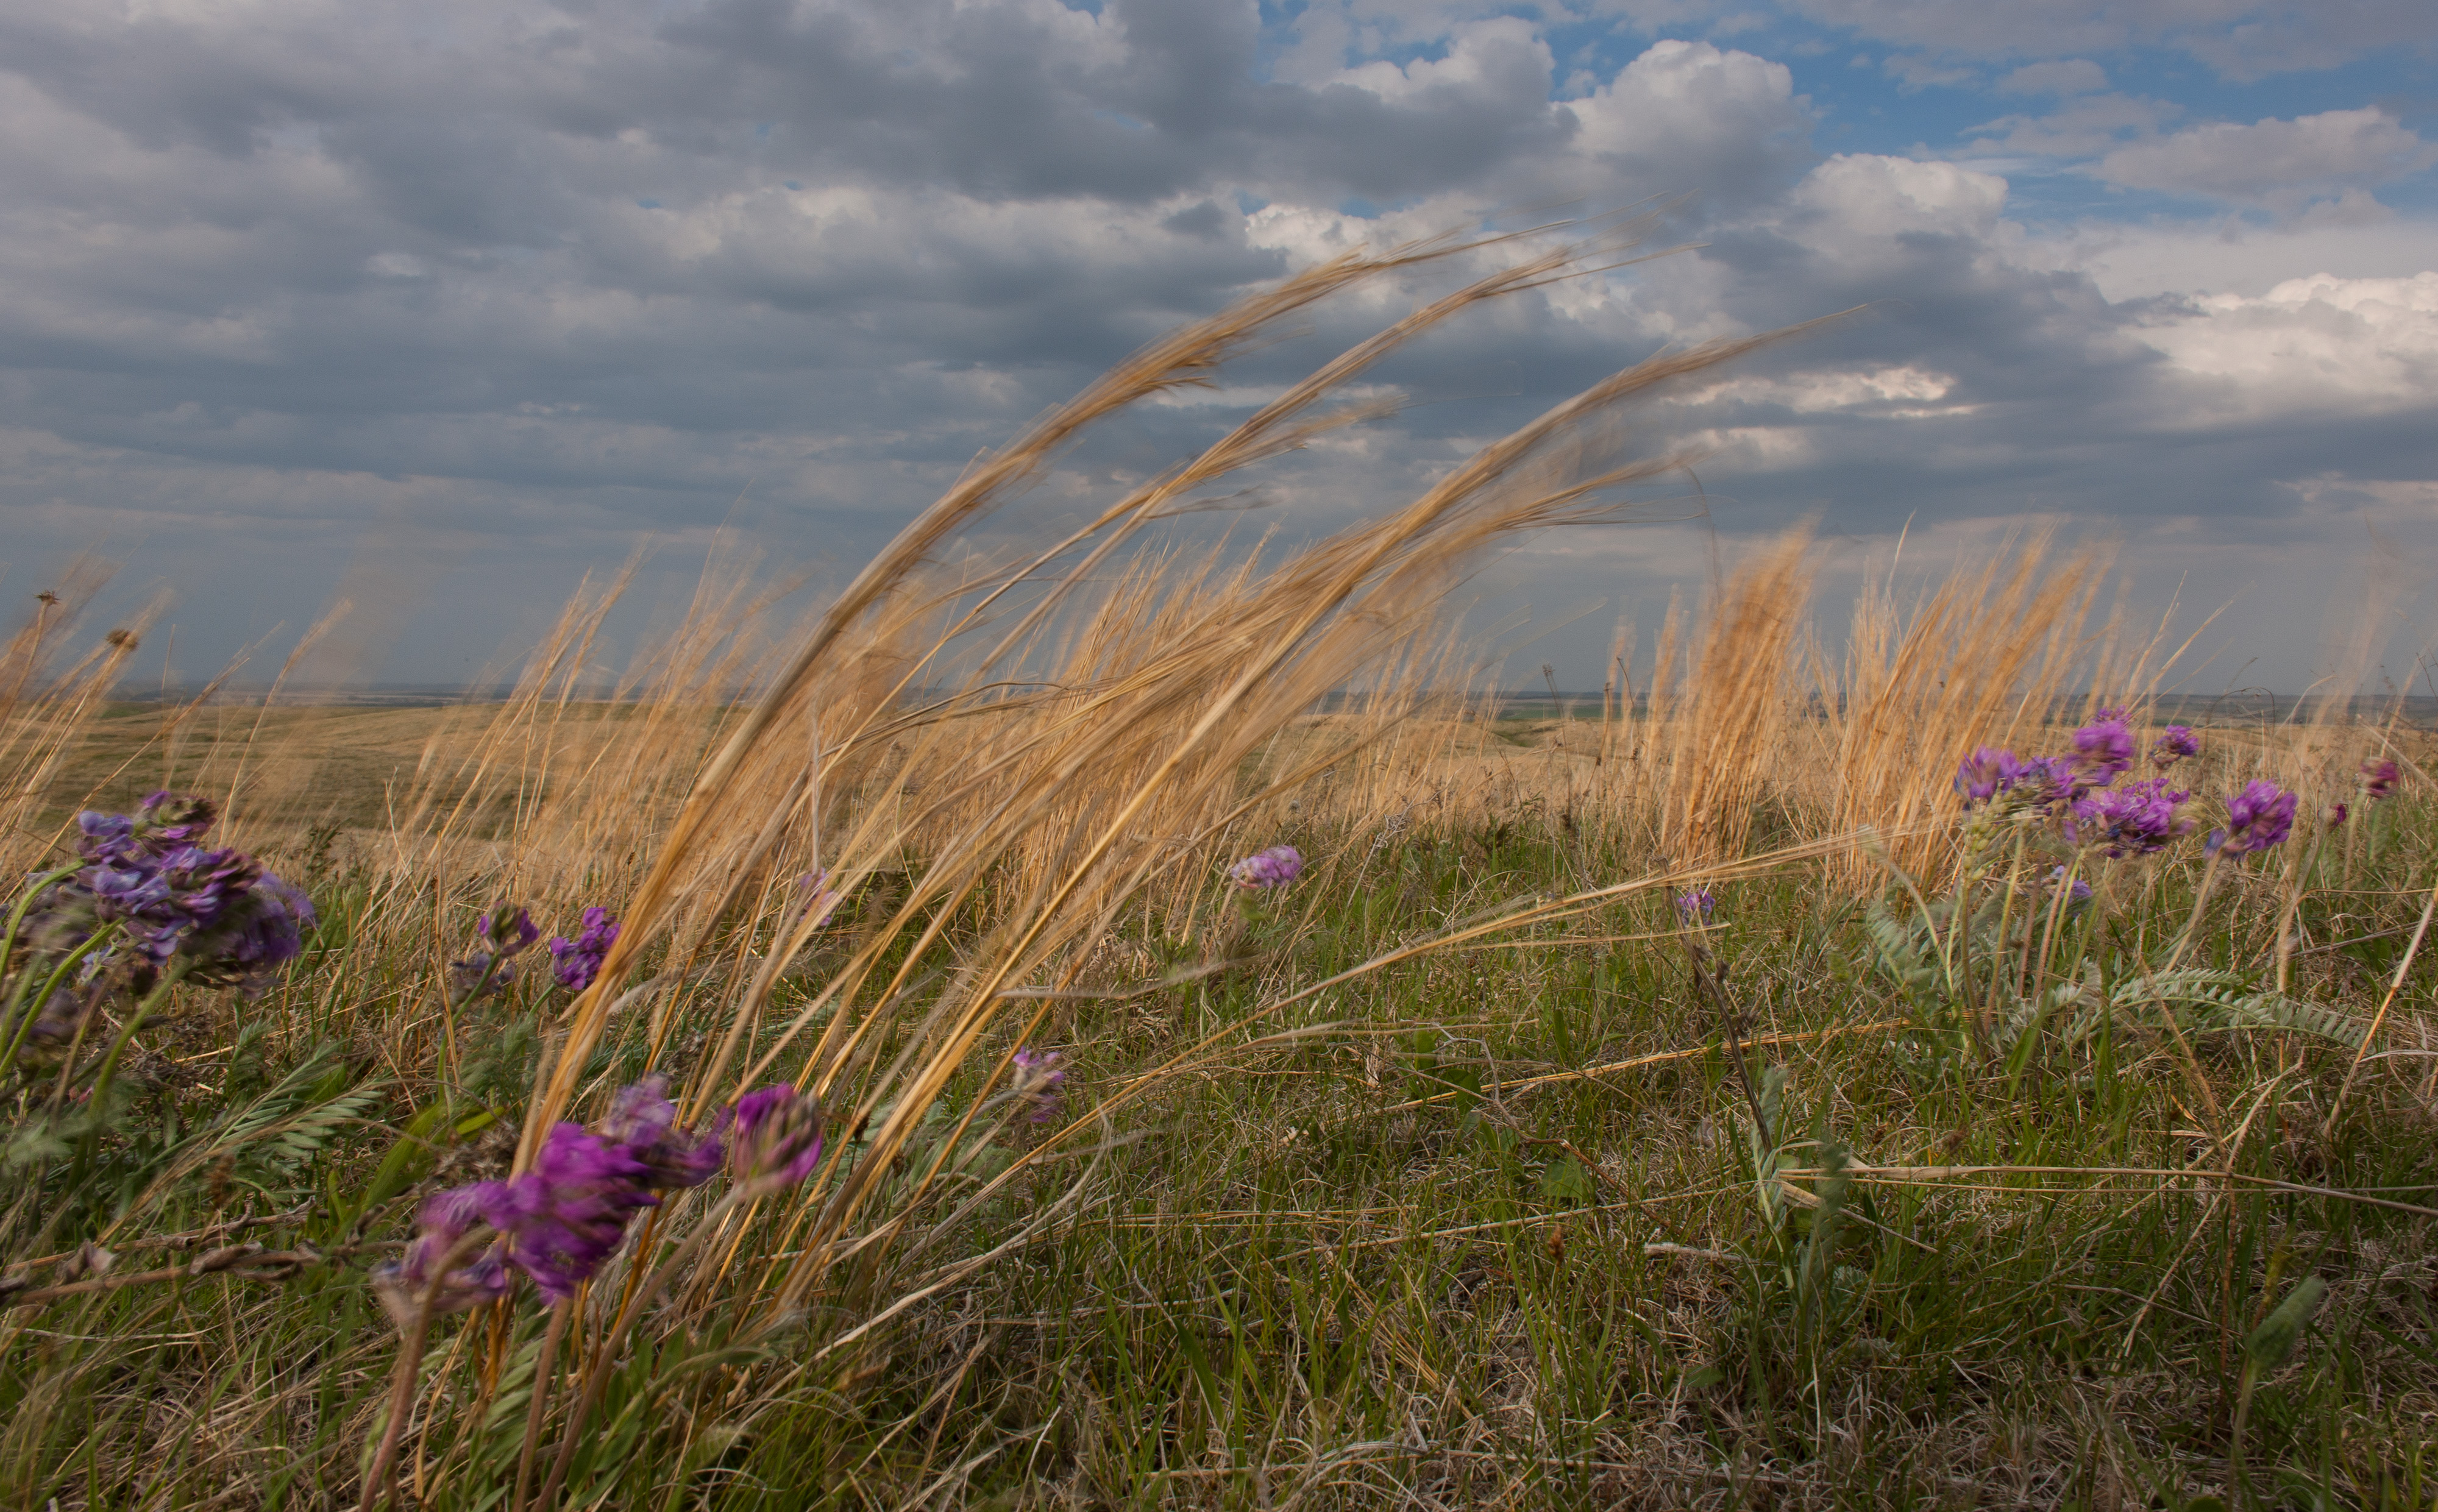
(2269, 1343)
(1565, 1181)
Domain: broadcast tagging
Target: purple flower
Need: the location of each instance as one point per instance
(447, 1218)
(643, 1119)
(1987, 772)
(2135, 819)
(2174, 744)
(105, 837)
(777, 1136)
(506, 933)
(2078, 894)
(2335, 815)
(234, 922)
(1696, 903)
(477, 977)
(489, 971)
(820, 900)
(255, 934)
(1040, 1079)
(2103, 749)
(2259, 816)
(576, 962)
(166, 818)
(568, 1214)
(1272, 868)
(2380, 779)
(2044, 781)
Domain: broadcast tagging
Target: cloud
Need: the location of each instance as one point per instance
(2077, 129)
(2333, 150)
(2308, 346)
(527, 280)
(2070, 76)
(1914, 71)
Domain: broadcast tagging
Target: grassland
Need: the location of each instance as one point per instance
(1469, 1169)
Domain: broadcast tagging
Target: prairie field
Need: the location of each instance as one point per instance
(1693, 1094)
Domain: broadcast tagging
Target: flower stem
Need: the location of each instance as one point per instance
(53, 983)
(380, 1474)
(543, 1380)
(597, 1380)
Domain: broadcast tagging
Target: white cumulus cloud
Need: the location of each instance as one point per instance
(2362, 344)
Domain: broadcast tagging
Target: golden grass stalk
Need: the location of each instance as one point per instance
(1724, 729)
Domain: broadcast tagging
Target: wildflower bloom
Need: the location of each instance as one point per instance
(643, 1120)
(507, 933)
(820, 899)
(2259, 816)
(568, 1214)
(2103, 749)
(777, 1136)
(260, 932)
(1987, 772)
(446, 1220)
(576, 962)
(2077, 895)
(2041, 782)
(234, 922)
(1696, 903)
(1040, 1077)
(2174, 744)
(486, 973)
(2380, 779)
(1273, 867)
(2335, 815)
(2135, 819)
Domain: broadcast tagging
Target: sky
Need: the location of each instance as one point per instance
(444, 306)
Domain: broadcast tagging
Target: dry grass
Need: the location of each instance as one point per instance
(1017, 780)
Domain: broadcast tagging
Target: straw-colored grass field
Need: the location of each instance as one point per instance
(1684, 1100)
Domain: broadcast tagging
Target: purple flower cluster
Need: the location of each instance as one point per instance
(778, 1136)
(2135, 819)
(1273, 867)
(235, 922)
(558, 1221)
(2103, 749)
(576, 962)
(1987, 772)
(1697, 904)
(448, 1218)
(1040, 1080)
(2100, 752)
(2174, 744)
(2380, 779)
(2259, 816)
(2077, 895)
(500, 936)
